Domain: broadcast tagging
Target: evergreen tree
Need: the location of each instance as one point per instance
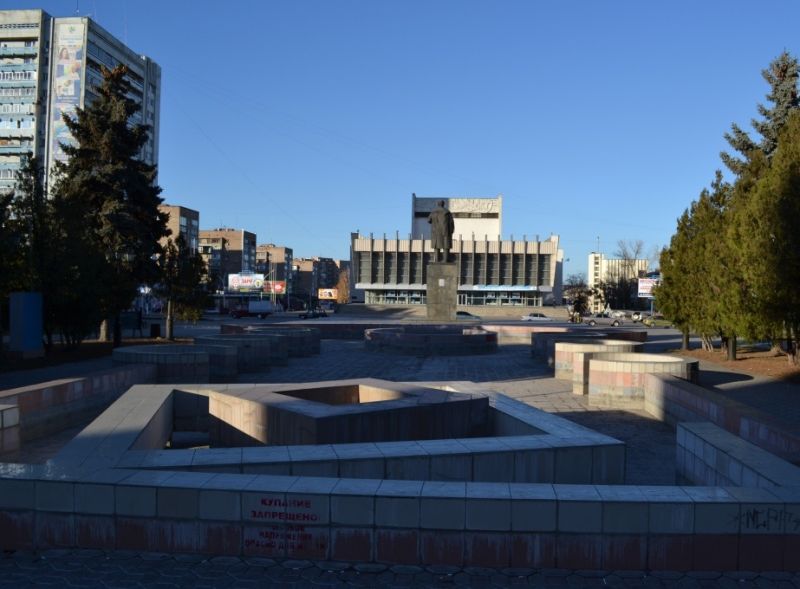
(183, 275)
(765, 222)
(782, 76)
(105, 179)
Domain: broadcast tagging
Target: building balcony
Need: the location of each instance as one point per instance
(27, 99)
(17, 83)
(19, 51)
(19, 67)
(27, 132)
(15, 149)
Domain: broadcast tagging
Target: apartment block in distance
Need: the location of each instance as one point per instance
(228, 251)
(492, 270)
(182, 221)
(610, 270)
(275, 263)
(50, 66)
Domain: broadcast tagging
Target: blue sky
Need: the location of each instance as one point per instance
(304, 121)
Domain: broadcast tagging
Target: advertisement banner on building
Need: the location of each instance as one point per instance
(67, 75)
(327, 294)
(276, 286)
(646, 287)
(245, 282)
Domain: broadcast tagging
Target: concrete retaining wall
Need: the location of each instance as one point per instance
(175, 363)
(572, 358)
(673, 400)
(110, 501)
(256, 352)
(42, 409)
(618, 379)
(431, 341)
(709, 455)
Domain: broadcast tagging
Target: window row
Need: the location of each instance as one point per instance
(16, 123)
(15, 76)
(16, 107)
(17, 91)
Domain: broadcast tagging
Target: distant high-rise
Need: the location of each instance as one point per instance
(50, 66)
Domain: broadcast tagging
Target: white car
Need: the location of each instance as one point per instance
(536, 317)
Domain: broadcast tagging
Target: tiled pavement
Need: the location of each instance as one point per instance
(91, 568)
(650, 460)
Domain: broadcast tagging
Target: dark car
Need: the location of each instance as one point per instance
(313, 314)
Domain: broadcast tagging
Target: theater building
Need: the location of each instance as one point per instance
(491, 270)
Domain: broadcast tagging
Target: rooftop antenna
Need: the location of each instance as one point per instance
(77, 7)
(598, 244)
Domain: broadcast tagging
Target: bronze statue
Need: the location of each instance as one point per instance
(442, 227)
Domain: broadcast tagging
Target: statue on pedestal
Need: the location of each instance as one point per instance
(442, 227)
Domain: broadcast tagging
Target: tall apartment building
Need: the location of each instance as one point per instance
(610, 270)
(182, 221)
(305, 275)
(492, 271)
(228, 251)
(49, 66)
(275, 263)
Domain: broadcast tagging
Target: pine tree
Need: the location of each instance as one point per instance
(105, 178)
(782, 76)
(766, 218)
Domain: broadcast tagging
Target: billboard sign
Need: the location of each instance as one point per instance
(245, 281)
(646, 287)
(66, 82)
(276, 286)
(327, 294)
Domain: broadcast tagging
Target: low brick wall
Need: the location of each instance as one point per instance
(42, 409)
(618, 379)
(222, 361)
(175, 363)
(398, 522)
(674, 400)
(256, 350)
(709, 455)
(431, 340)
(303, 341)
(111, 502)
(572, 358)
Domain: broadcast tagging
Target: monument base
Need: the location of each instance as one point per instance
(442, 294)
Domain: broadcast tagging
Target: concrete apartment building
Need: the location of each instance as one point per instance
(227, 251)
(182, 221)
(492, 270)
(50, 66)
(275, 263)
(610, 270)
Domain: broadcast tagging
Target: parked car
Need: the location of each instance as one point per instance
(657, 320)
(467, 316)
(536, 317)
(259, 309)
(601, 319)
(313, 314)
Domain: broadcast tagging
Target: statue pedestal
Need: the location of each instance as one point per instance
(442, 293)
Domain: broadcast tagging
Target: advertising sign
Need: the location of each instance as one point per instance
(245, 281)
(328, 294)
(646, 287)
(66, 84)
(276, 286)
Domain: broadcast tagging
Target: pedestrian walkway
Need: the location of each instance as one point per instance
(124, 570)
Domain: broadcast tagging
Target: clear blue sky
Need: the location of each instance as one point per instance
(304, 121)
